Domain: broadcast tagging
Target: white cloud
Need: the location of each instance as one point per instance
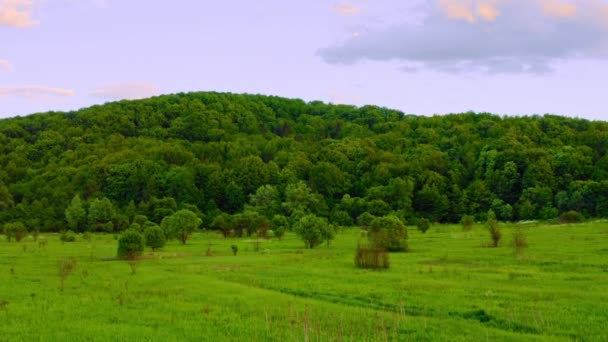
(495, 36)
(35, 91)
(5, 65)
(129, 91)
(16, 13)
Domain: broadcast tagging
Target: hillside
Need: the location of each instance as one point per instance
(214, 153)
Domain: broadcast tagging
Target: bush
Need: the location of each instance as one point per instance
(136, 227)
(388, 232)
(235, 249)
(314, 230)
(467, 222)
(279, 225)
(365, 220)
(493, 228)
(372, 258)
(519, 240)
(155, 238)
(571, 216)
(423, 225)
(15, 230)
(67, 236)
(130, 244)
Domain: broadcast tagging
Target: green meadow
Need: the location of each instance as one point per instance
(448, 287)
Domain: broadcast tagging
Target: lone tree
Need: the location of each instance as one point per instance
(15, 230)
(388, 232)
(313, 230)
(130, 244)
(423, 225)
(180, 225)
(155, 238)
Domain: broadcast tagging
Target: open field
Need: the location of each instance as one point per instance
(448, 287)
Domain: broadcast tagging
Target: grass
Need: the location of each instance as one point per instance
(448, 287)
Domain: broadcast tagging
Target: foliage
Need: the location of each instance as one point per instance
(467, 222)
(180, 225)
(493, 228)
(279, 224)
(423, 225)
(388, 232)
(67, 236)
(101, 214)
(520, 240)
(314, 230)
(235, 249)
(154, 237)
(16, 230)
(130, 244)
(571, 216)
(76, 215)
(374, 257)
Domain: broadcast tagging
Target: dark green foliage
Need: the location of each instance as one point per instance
(210, 153)
(16, 230)
(423, 225)
(180, 225)
(223, 222)
(155, 237)
(571, 216)
(314, 230)
(67, 236)
(235, 249)
(467, 222)
(130, 244)
(365, 220)
(388, 232)
(372, 258)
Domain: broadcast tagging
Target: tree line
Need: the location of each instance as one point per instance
(246, 164)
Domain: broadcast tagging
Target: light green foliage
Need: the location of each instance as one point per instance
(180, 225)
(76, 215)
(130, 244)
(155, 237)
(314, 230)
(15, 230)
(388, 232)
(266, 200)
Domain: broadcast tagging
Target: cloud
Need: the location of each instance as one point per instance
(35, 91)
(5, 65)
(492, 36)
(16, 13)
(128, 91)
(346, 9)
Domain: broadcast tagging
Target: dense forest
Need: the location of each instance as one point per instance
(237, 157)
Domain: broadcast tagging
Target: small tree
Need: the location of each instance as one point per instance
(388, 232)
(279, 225)
(15, 230)
(493, 228)
(130, 244)
(180, 225)
(467, 222)
(365, 220)
(313, 230)
(155, 238)
(423, 225)
(76, 215)
(223, 223)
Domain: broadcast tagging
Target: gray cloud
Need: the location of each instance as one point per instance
(514, 36)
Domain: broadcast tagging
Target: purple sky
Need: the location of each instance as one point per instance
(426, 57)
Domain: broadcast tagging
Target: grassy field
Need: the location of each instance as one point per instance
(448, 288)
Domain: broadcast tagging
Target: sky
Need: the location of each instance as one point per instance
(508, 57)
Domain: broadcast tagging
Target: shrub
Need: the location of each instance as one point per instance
(467, 222)
(65, 267)
(87, 236)
(423, 225)
(130, 244)
(67, 236)
(155, 238)
(279, 225)
(235, 249)
(372, 258)
(493, 228)
(136, 227)
(571, 216)
(519, 240)
(388, 232)
(313, 230)
(365, 220)
(180, 225)
(15, 230)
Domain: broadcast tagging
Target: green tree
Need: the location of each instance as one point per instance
(130, 244)
(313, 230)
(16, 230)
(101, 214)
(388, 232)
(180, 225)
(75, 214)
(280, 224)
(155, 237)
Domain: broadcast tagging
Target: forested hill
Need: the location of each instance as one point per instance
(214, 153)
